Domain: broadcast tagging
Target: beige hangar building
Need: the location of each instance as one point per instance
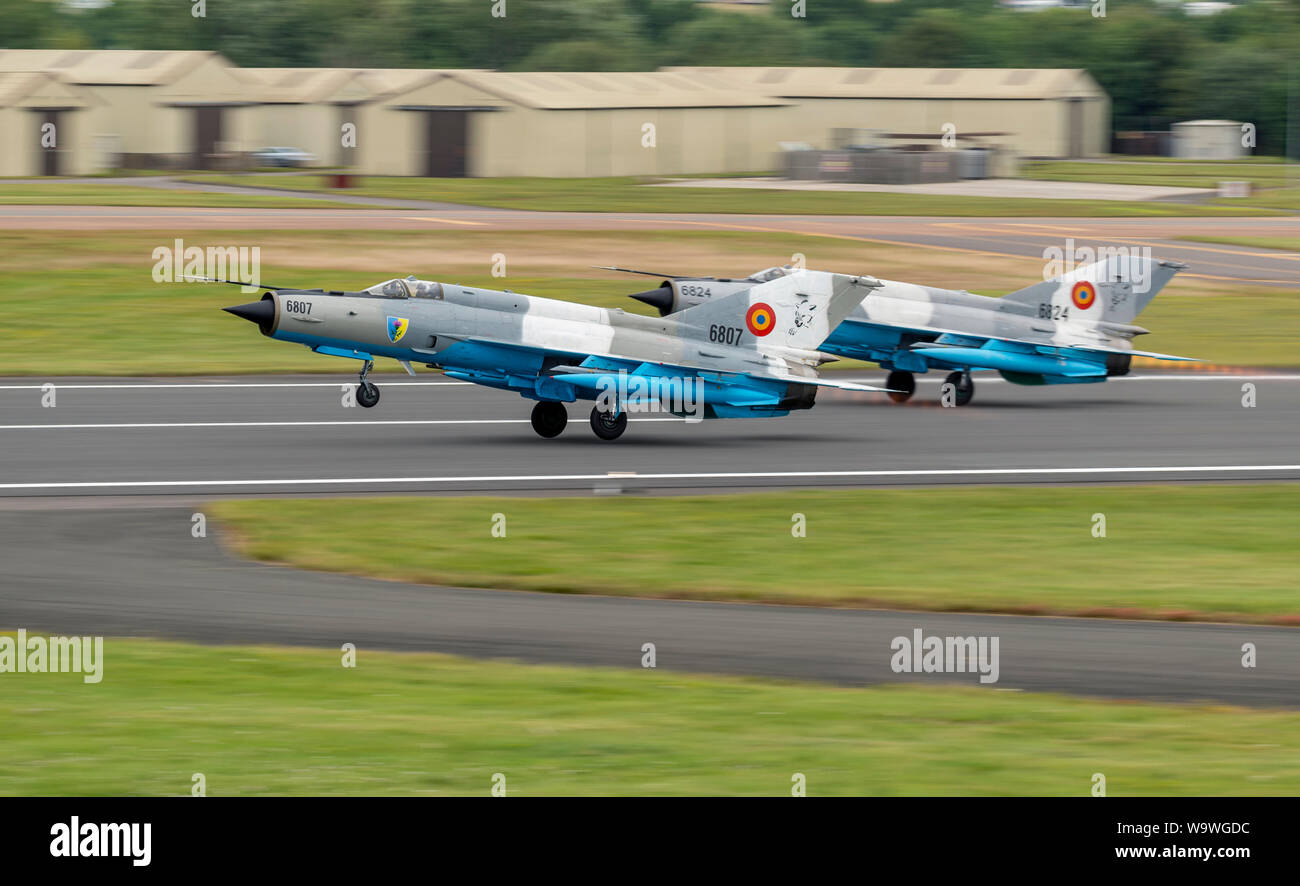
(144, 109)
(195, 110)
(492, 123)
(1045, 112)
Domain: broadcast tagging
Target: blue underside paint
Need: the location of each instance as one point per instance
(884, 345)
(519, 369)
(1015, 361)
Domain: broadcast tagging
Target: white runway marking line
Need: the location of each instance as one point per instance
(745, 475)
(361, 423)
(216, 385)
(924, 379)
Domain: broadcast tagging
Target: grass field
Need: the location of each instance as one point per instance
(1222, 552)
(126, 324)
(1277, 185)
(258, 721)
(58, 193)
(632, 195)
(1167, 174)
(1291, 244)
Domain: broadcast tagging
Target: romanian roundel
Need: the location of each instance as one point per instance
(760, 318)
(1083, 295)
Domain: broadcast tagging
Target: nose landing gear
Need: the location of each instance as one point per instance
(367, 392)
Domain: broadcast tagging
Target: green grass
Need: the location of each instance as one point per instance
(1276, 198)
(1172, 175)
(1290, 244)
(628, 194)
(128, 325)
(258, 721)
(58, 193)
(1278, 185)
(1249, 329)
(125, 324)
(1223, 552)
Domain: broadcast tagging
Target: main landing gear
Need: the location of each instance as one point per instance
(550, 418)
(963, 386)
(367, 392)
(608, 425)
(902, 386)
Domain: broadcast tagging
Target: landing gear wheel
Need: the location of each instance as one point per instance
(367, 394)
(963, 387)
(903, 385)
(607, 425)
(549, 418)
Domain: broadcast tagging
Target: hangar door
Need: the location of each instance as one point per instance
(49, 161)
(1075, 137)
(207, 134)
(445, 134)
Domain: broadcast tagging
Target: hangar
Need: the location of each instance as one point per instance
(43, 128)
(151, 108)
(491, 123)
(189, 109)
(1045, 112)
(309, 108)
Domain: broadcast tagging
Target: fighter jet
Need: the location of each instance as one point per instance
(752, 353)
(1076, 328)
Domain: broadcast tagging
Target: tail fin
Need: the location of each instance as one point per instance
(798, 310)
(1115, 289)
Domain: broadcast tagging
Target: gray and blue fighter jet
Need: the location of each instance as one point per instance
(752, 353)
(1076, 328)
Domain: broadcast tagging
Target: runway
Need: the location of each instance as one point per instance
(137, 572)
(293, 435)
(1024, 237)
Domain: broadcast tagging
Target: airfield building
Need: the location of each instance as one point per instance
(195, 110)
(1045, 112)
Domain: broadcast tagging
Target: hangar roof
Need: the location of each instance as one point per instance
(36, 89)
(621, 89)
(923, 83)
(309, 85)
(112, 67)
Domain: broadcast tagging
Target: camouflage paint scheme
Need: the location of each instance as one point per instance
(558, 352)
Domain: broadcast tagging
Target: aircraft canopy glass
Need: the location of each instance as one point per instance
(408, 287)
(769, 274)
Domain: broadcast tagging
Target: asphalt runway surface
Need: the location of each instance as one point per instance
(138, 572)
(1025, 237)
(293, 435)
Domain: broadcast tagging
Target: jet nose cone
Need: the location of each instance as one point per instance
(661, 299)
(257, 311)
(260, 312)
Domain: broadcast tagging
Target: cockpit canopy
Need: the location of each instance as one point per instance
(407, 287)
(769, 274)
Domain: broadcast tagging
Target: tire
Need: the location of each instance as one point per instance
(367, 394)
(904, 383)
(549, 418)
(607, 426)
(962, 385)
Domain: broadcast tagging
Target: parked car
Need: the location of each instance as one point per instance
(283, 156)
